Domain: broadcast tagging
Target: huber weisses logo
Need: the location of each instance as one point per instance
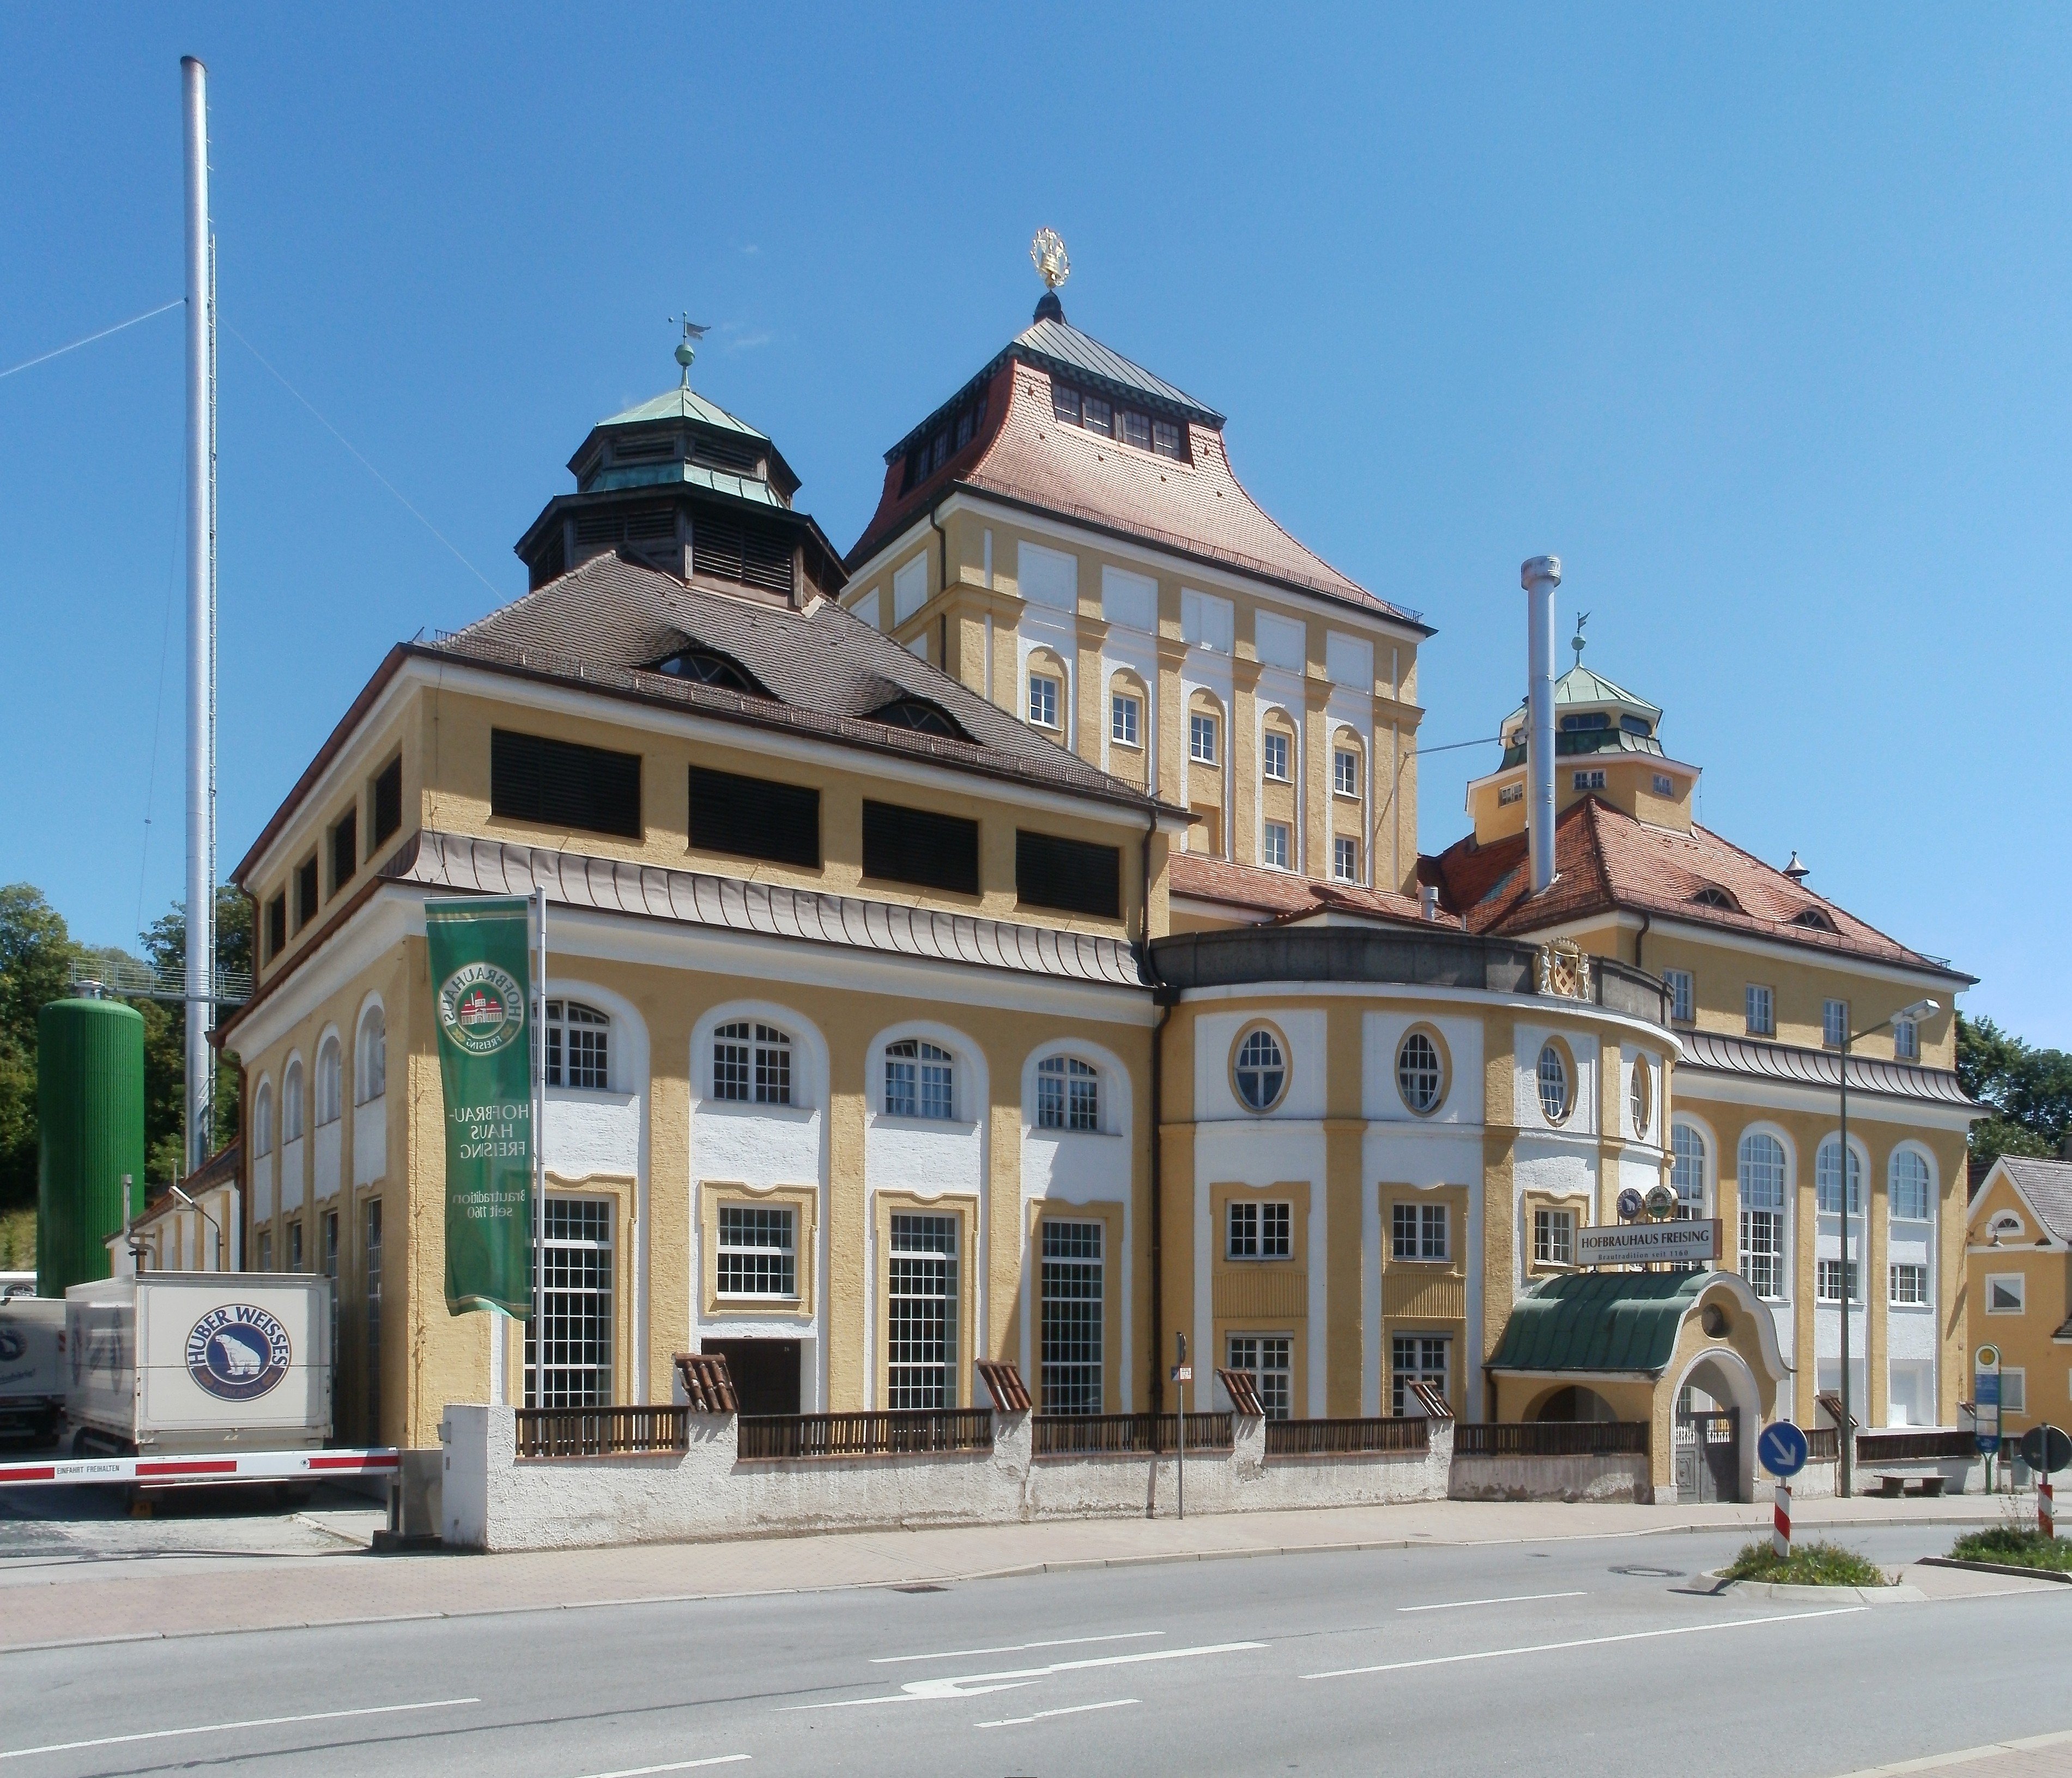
(481, 1008)
(237, 1352)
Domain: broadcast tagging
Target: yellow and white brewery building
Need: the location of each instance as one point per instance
(1009, 941)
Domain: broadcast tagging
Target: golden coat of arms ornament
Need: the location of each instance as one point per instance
(1564, 969)
(1047, 252)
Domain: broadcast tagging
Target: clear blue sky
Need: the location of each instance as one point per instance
(1758, 321)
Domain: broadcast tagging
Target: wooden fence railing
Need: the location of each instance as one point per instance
(602, 1431)
(1551, 1438)
(1823, 1445)
(1343, 1438)
(892, 1433)
(1106, 1435)
(1904, 1444)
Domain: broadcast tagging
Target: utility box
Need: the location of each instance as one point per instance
(170, 1362)
(32, 1376)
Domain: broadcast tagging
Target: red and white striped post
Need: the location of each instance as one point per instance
(2046, 1516)
(1780, 1536)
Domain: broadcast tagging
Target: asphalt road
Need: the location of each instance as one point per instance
(1580, 1655)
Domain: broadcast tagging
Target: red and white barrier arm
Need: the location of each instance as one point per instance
(208, 1467)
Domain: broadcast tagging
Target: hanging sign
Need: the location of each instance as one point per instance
(1648, 1243)
(481, 988)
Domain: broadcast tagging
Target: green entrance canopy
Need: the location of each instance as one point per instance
(1600, 1321)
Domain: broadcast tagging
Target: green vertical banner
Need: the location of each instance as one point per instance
(481, 976)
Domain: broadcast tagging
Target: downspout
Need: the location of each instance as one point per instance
(1640, 938)
(943, 580)
(1158, 1115)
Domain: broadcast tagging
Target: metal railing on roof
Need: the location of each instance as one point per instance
(131, 979)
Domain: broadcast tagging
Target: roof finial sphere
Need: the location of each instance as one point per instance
(687, 346)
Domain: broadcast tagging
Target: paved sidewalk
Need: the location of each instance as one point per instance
(43, 1602)
(2036, 1757)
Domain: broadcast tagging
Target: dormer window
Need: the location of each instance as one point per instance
(1636, 726)
(709, 667)
(1134, 428)
(1813, 920)
(1131, 426)
(921, 716)
(1166, 439)
(1589, 720)
(1096, 415)
(1712, 896)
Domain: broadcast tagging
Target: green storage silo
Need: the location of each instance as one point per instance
(90, 1124)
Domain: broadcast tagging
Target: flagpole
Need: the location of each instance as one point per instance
(540, 1162)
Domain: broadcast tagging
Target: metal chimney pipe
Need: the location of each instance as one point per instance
(201, 649)
(1540, 576)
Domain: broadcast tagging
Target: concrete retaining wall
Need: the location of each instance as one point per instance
(1601, 1478)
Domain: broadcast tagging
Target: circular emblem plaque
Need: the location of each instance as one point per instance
(237, 1352)
(482, 1008)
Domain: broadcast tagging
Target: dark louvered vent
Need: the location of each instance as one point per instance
(551, 563)
(643, 450)
(753, 555)
(727, 453)
(1073, 875)
(755, 818)
(387, 801)
(563, 784)
(916, 846)
(609, 525)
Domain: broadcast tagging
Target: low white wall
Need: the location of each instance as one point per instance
(1582, 1478)
(492, 1500)
(1821, 1481)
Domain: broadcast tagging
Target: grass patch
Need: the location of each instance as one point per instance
(18, 1239)
(2016, 1547)
(1809, 1565)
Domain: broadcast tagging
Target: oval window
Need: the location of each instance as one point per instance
(1420, 1076)
(1553, 1073)
(1642, 1098)
(1261, 1070)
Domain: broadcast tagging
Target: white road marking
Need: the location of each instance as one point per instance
(681, 1765)
(226, 1728)
(1070, 1709)
(1508, 1599)
(1586, 1642)
(920, 1691)
(1014, 1648)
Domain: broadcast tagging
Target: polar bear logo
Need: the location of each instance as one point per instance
(238, 1351)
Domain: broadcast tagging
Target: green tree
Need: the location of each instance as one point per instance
(36, 954)
(2029, 1091)
(165, 943)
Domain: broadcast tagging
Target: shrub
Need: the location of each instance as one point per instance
(2016, 1547)
(1809, 1565)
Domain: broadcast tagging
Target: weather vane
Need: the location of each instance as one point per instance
(1048, 253)
(687, 348)
(1575, 642)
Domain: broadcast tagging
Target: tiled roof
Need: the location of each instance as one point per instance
(2047, 1184)
(1606, 860)
(615, 885)
(1724, 1053)
(1277, 894)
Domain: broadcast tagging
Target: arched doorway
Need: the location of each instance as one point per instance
(1575, 1403)
(1717, 1414)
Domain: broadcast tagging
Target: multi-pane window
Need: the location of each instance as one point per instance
(757, 1250)
(1274, 845)
(1415, 1358)
(1071, 1302)
(328, 1229)
(291, 1102)
(752, 1063)
(262, 1121)
(1068, 1095)
(1834, 1023)
(1906, 1039)
(1827, 1281)
(918, 1080)
(1827, 1179)
(1345, 772)
(1682, 994)
(1908, 1190)
(1417, 1231)
(1042, 700)
(1554, 1237)
(370, 1067)
(1910, 1286)
(1274, 756)
(1762, 1214)
(920, 1312)
(1552, 1076)
(1259, 1231)
(1420, 1077)
(1269, 1357)
(1134, 428)
(578, 1051)
(1166, 439)
(1097, 416)
(1761, 1017)
(1126, 719)
(1590, 781)
(576, 1294)
(1686, 1170)
(329, 1083)
(1202, 737)
(1345, 858)
(266, 1250)
(1261, 1070)
(370, 1262)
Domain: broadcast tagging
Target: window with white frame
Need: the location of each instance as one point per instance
(1906, 1039)
(1260, 1069)
(1760, 1017)
(1258, 1231)
(918, 1080)
(1345, 858)
(1415, 1358)
(1072, 1288)
(1762, 1214)
(370, 1063)
(1042, 700)
(752, 1063)
(291, 1102)
(1067, 1093)
(1267, 1357)
(1909, 1195)
(329, 1082)
(1827, 1179)
(1509, 793)
(1417, 1231)
(1590, 781)
(1553, 1237)
(262, 1123)
(1910, 1286)
(1551, 1074)
(1421, 1075)
(1686, 1170)
(1664, 784)
(2014, 1389)
(1640, 1098)
(1274, 756)
(1834, 1023)
(921, 1312)
(1827, 1281)
(1274, 845)
(1682, 994)
(2006, 1293)
(757, 1250)
(1346, 772)
(576, 1293)
(1126, 719)
(1202, 737)
(579, 1048)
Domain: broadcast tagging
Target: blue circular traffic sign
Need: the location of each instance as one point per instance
(1783, 1449)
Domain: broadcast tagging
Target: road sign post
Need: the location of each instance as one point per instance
(1986, 1387)
(2046, 1450)
(1183, 1373)
(1784, 1450)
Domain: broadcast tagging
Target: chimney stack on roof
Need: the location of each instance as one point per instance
(1540, 576)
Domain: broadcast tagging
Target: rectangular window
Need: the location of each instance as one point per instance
(1071, 1284)
(344, 850)
(1762, 1252)
(1345, 858)
(1269, 1357)
(1761, 1017)
(1590, 781)
(2014, 1390)
(1681, 994)
(1274, 845)
(370, 1260)
(1345, 772)
(755, 818)
(918, 846)
(752, 1063)
(1259, 1231)
(578, 1047)
(1834, 1023)
(1068, 1095)
(266, 1250)
(1664, 784)
(1134, 428)
(276, 926)
(921, 1312)
(1073, 876)
(1418, 1231)
(1415, 1358)
(2005, 1293)
(1554, 1237)
(1065, 403)
(563, 784)
(1126, 721)
(576, 1293)
(388, 801)
(1827, 1282)
(1906, 1039)
(756, 1255)
(1042, 700)
(1201, 738)
(1275, 755)
(1097, 415)
(1910, 1286)
(1166, 439)
(306, 892)
(295, 1245)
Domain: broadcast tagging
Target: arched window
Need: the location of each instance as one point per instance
(330, 1070)
(1067, 1093)
(1553, 1076)
(370, 1063)
(1686, 1170)
(752, 1063)
(1260, 1069)
(1909, 1190)
(1762, 1212)
(578, 1047)
(918, 1080)
(291, 1102)
(262, 1120)
(1640, 1099)
(1827, 1179)
(1420, 1076)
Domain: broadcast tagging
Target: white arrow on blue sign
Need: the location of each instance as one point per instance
(1783, 1448)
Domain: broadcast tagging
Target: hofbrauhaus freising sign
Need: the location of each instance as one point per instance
(1648, 1243)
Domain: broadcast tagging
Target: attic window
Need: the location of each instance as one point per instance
(1813, 919)
(1166, 439)
(920, 715)
(1593, 719)
(1133, 426)
(1711, 897)
(960, 426)
(1636, 726)
(709, 667)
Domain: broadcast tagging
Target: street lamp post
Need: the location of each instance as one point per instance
(1919, 1010)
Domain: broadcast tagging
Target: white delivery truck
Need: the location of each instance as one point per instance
(32, 1378)
(164, 1363)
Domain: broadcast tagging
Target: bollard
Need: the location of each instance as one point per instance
(2046, 1517)
(1780, 1536)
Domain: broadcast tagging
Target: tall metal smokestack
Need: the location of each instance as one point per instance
(201, 623)
(1540, 576)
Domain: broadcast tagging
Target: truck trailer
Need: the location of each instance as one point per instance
(32, 1376)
